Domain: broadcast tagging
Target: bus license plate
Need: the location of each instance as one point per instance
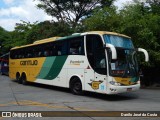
(129, 89)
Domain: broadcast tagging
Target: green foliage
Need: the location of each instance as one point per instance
(71, 11)
(139, 21)
(47, 29)
(104, 19)
(154, 6)
(143, 25)
(4, 41)
(20, 32)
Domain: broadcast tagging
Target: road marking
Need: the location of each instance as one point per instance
(35, 103)
(2, 105)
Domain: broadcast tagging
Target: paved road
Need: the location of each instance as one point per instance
(36, 97)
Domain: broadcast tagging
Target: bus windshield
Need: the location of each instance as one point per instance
(119, 41)
(126, 63)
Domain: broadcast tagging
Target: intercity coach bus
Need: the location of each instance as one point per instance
(96, 61)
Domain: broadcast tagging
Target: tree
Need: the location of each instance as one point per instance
(71, 11)
(47, 29)
(105, 19)
(4, 41)
(20, 33)
(139, 22)
(154, 6)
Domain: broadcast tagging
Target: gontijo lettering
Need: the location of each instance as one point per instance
(29, 62)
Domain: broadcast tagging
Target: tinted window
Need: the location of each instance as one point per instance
(76, 46)
(96, 53)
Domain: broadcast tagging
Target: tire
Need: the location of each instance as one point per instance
(18, 78)
(24, 80)
(76, 86)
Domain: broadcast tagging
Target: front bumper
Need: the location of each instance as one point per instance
(121, 89)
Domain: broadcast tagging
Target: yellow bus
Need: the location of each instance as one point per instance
(96, 61)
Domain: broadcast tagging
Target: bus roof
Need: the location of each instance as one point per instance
(38, 42)
(105, 32)
(71, 36)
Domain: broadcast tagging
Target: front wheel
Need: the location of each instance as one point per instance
(76, 87)
(18, 78)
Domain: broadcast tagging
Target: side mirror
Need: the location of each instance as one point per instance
(145, 53)
(113, 50)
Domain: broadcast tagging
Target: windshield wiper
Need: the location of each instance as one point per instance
(125, 70)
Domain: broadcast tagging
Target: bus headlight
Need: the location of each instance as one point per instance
(115, 83)
(138, 82)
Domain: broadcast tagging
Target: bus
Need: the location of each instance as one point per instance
(4, 64)
(96, 61)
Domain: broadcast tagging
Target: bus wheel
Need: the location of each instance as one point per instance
(23, 79)
(76, 86)
(18, 78)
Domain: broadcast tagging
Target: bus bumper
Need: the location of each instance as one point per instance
(121, 89)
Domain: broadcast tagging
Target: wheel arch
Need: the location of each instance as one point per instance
(71, 79)
(18, 74)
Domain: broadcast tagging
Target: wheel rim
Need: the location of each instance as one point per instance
(77, 87)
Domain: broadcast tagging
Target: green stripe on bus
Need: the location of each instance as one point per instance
(46, 67)
(55, 69)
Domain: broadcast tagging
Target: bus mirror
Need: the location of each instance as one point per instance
(145, 53)
(113, 50)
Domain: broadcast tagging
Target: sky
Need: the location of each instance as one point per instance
(13, 11)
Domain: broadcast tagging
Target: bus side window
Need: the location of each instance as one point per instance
(54, 50)
(48, 49)
(61, 48)
(59, 52)
(46, 53)
(39, 50)
(13, 55)
(76, 46)
(64, 48)
(20, 54)
(29, 52)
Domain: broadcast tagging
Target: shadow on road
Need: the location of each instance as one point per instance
(117, 97)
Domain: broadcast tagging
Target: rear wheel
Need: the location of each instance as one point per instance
(76, 86)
